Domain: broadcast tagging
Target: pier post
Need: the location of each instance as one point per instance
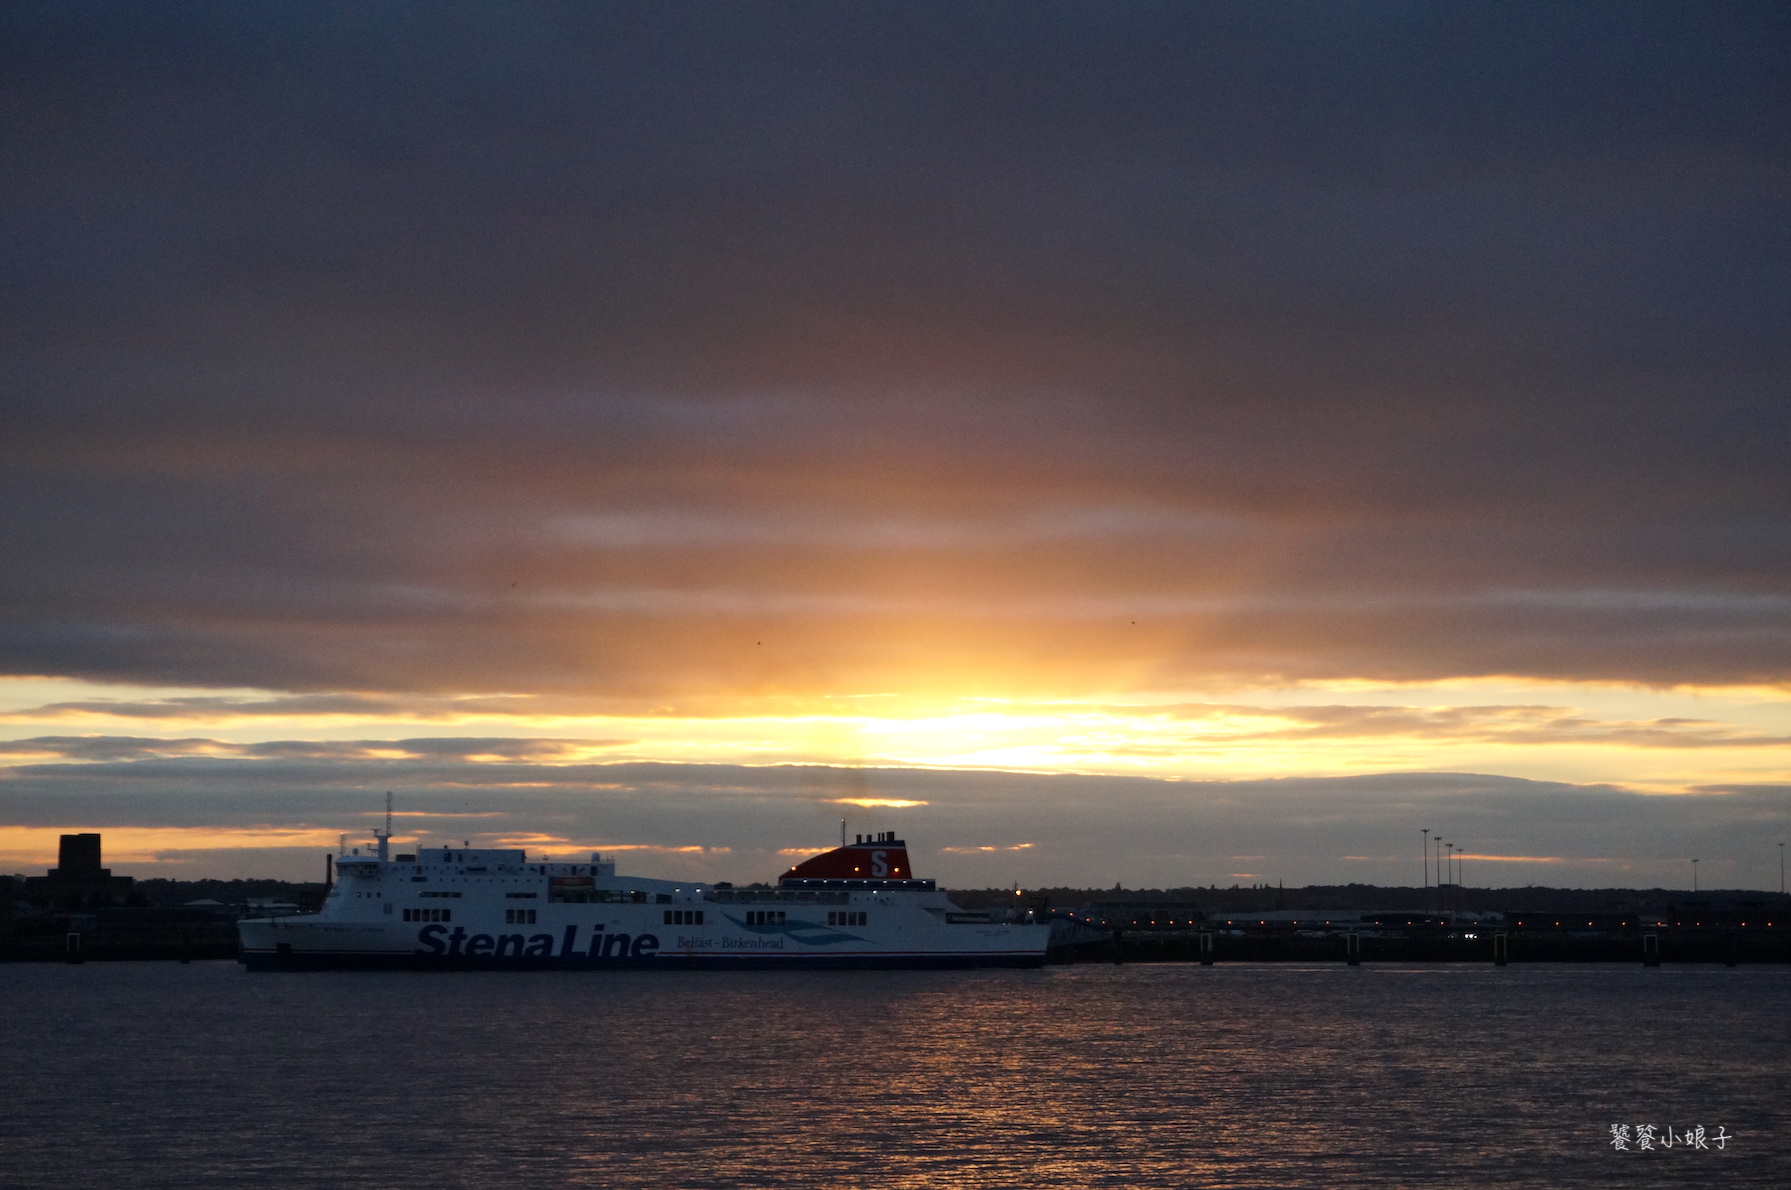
(1729, 948)
(1352, 948)
(1206, 948)
(71, 952)
(1650, 950)
(1501, 948)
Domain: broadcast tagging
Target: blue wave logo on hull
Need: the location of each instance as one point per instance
(801, 931)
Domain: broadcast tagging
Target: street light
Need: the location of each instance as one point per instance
(1427, 863)
(1442, 897)
(1694, 875)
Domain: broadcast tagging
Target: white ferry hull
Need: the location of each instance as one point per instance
(450, 909)
(313, 943)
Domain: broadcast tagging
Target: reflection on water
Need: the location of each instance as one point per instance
(1270, 1075)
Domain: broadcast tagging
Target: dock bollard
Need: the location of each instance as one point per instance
(1206, 948)
(1650, 950)
(71, 952)
(1501, 948)
(1352, 948)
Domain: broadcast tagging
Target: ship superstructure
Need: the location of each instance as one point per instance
(858, 905)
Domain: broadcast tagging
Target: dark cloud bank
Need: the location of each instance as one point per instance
(652, 351)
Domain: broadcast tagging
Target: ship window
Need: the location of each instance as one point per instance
(848, 919)
(764, 917)
(683, 917)
(519, 917)
(522, 896)
(428, 915)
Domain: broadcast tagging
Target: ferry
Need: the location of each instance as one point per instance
(858, 905)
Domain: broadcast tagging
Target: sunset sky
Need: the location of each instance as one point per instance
(1162, 444)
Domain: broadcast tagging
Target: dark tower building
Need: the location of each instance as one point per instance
(78, 878)
(79, 859)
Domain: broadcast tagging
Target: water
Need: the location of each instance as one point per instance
(157, 1074)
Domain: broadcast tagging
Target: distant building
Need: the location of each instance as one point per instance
(1140, 914)
(1188, 915)
(78, 878)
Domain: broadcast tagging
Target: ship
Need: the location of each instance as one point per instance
(856, 906)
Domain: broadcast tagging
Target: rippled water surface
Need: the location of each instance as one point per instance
(153, 1074)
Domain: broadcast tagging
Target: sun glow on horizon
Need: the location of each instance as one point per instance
(1663, 741)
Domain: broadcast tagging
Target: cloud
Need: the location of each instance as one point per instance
(921, 350)
(110, 748)
(680, 366)
(1519, 725)
(102, 748)
(216, 708)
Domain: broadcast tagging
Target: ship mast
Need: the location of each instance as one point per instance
(386, 838)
